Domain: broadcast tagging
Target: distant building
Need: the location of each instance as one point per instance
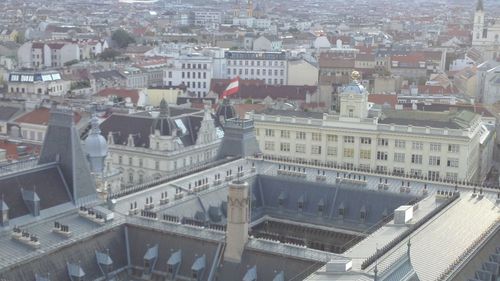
(434, 145)
(268, 43)
(192, 71)
(147, 146)
(485, 37)
(270, 67)
(47, 55)
(36, 84)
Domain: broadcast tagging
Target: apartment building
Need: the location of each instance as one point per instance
(271, 67)
(193, 71)
(435, 145)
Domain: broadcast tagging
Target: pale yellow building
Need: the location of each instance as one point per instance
(301, 72)
(170, 94)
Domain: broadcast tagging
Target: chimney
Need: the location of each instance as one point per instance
(237, 221)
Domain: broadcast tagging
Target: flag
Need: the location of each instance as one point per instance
(232, 88)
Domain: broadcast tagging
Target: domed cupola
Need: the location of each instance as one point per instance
(96, 147)
(225, 111)
(354, 99)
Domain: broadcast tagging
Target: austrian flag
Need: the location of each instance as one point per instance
(233, 88)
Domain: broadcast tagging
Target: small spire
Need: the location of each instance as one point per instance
(479, 5)
(94, 122)
(164, 109)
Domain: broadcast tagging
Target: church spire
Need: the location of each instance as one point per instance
(479, 5)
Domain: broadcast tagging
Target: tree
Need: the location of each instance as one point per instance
(109, 54)
(122, 38)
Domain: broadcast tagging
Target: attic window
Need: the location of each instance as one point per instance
(341, 211)
(300, 205)
(320, 208)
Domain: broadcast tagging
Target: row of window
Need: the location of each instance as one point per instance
(415, 145)
(189, 75)
(194, 66)
(364, 154)
(257, 71)
(255, 63)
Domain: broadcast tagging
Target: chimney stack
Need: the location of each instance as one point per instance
(238, 219)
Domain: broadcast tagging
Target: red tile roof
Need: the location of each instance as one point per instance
(261, 91)
(122, 93)
(41, 116)
(382, 99)
(12, 152)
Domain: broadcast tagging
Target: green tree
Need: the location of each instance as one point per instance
(122, 38)
(109, 54)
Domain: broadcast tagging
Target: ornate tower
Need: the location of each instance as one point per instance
(479, 31)
(238, 217)
(354, 99)
(236, 12)
(250, 9)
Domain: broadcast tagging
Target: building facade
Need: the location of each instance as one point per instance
(397, 142)
(147, 147)
(271, 67)
(193, 71)
(26, 84)
(485, 37)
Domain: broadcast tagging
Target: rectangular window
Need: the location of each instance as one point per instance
(120, 159)
(416, 159)
(433, 175)
(301, 135)
(452, 162)
(331, 151)
(269, 133)
(417, 145)
(435, 147)
(365, 154)
(348, 152)
(285, 134)
(157, 165)
(269, 145)
(381, 155)
(316, 149)
(348, 139)
(382, 169)
(399, 157)
(364, 167)
(434, 160)
(452, 176)
(416, 172)
(285, 147)
(365, 140)
(453, 148)
(383, 142)
(130, 161)
(316, 136)
(398, 170)
(399, 144)
(331, 138)
(300, 148)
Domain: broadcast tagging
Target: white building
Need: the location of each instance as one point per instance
(436, 145)
(270, 67)
(485, 37)
(194, 71)
(26, 84)
(269, 43)
(42, 55)
(175, 140)
(208, 19)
